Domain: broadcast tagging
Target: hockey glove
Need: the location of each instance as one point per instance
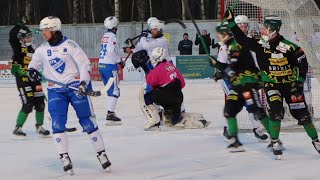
(229, 15)
(297, 88)
(229, 71)
(129, 43)
(144, 33)
(82, 88)
(34, 75)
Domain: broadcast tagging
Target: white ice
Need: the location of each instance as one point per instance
(136, 154)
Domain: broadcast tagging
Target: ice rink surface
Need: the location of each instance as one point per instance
(137, 155)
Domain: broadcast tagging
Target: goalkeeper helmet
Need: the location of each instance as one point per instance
(51, 22)
(157, 24)
(158, 55)
(111, 22)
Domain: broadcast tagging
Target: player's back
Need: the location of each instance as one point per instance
(108, 49)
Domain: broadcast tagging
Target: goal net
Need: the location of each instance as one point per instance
(301, 25)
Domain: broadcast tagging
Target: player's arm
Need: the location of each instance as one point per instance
(181, 78)
(82, 61)
(114, 49)
(35, 66)
(302, 63)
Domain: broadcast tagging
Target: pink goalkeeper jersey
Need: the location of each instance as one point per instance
(163, 74)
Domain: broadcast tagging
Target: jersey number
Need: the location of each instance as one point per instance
(103, 51)
(173, 76)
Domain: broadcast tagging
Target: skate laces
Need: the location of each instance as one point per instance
(276, 146)
(259, 131)
(103, 158)
(65, 159)
(317, 145)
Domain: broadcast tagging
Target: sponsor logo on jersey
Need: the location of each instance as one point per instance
(301, 57)
(58, 64)
(94, 139)
(38, 88)
(275, 98)
(246, 95)
(58, 140)
(273, 92)
(281, 73)
(300, 105)
(278, 61)
(295, 99)
(49, 53)
(65, 50)
(104, 39)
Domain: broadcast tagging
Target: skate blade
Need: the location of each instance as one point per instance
(15, 137)
(235, 150)
(113, 123)
(277, 157)
(70, 172)
(43, 136)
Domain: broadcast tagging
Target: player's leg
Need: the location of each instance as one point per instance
(299, 110)
(85, 113)
(39, 106)
(149, 110)
(225, 84)
(256, 113)
(26, 96)
(58, 103)
(275, 101)
(232, 107)
(113, 93)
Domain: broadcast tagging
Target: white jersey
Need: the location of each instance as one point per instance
(223, 54)
(64, 63)
(110, 52)
(150, 43)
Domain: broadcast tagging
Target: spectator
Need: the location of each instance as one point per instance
(185, 45)
(207, 40)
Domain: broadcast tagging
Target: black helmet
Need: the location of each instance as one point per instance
(272, 22)
(24, 32)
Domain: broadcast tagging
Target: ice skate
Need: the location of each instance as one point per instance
(280, 143)
(18, 133)
(41, 131)
(276, 149)
(235, 145)
(103, 159)
(262, 137)
(67, 164)
(112, 119)
(316, 145)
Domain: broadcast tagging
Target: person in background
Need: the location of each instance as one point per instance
(207, 40)
(185, 45)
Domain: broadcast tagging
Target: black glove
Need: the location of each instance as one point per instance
(229, 71)
(122, 64)
(228, 15)
(145, 33)
(219, 75)
(297, 88)
(34, 75)
(82, 88)
(129, 43)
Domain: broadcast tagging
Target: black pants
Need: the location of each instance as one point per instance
(170, 97)
(245, 95)
(275, 93)
(31, 94)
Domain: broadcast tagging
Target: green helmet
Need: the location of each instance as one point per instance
(272, 22)
(223, 29)
(24, 32)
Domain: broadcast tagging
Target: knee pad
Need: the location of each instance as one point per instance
(39, 107)
(88, 124)
(27, 108)
(58, 124)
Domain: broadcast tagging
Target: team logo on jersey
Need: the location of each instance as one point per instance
(65, 49)
(58, 64)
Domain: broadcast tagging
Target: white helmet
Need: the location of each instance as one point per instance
(150, 20)
(159, 25)
(241, 19)
(158, 55)
(111, 22)
(51, 22)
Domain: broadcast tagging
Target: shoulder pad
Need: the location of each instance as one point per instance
(288, 45)
(72, 43)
